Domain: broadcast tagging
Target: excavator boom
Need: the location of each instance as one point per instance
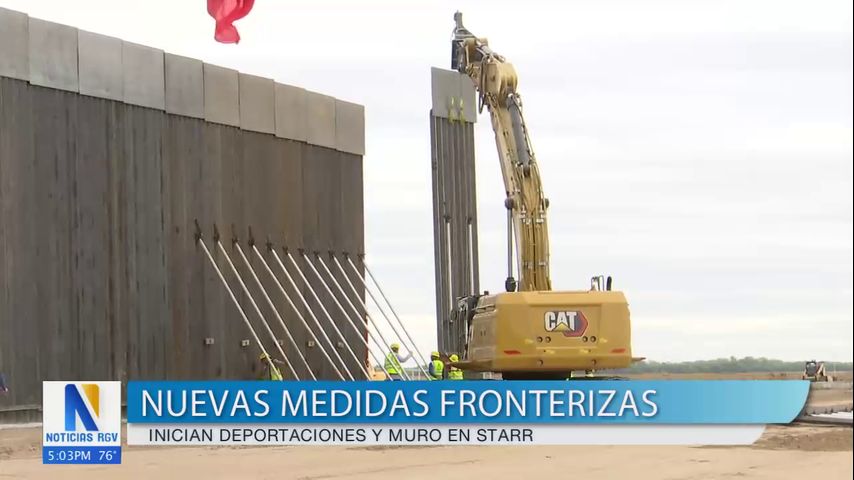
(496, 82)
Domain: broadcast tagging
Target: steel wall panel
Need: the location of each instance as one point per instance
(319, 119)
(53, 55)
(238, 359)
(317, 237)
(445, 87)
(290, 112)
(143, 76)
(185, 86)
(89, 235)
(349, 127)
(55, 116)
(454, 209)
(291, 186)
(452, 116)
(222, 95)
(257, 104)
(17, 199)
(117, 244)
(257, 155)
(144, 139)
(205, 309)
(14, 41)
(6, 218)
(183, 151)
(470, 164)
(100, 65)
(351, 196)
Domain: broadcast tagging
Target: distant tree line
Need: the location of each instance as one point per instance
(731, 365)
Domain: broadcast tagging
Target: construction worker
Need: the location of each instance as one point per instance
(437, 367)
(393, 362)
(454, 373)
(269, 371)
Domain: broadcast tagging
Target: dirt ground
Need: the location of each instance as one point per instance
(838, 376)
(796, 452)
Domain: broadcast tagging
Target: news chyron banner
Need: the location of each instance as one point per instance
(459, 412)
(82, 423)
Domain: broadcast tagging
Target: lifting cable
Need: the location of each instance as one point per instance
(296, 310)
(233, 298)
(311, 313)
(412, 349)
(275, 311)
(255, 305)
(346, 313)
(385, 343)
(359, 361)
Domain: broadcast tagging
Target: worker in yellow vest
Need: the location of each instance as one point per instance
(269, 371)
(393, 362)
(454, 373)
(437, 367)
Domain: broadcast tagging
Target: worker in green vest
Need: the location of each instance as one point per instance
(437, 367)
(393, 362)
(269, 371)
(454, 373)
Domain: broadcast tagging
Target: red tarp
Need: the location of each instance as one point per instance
(226, 12)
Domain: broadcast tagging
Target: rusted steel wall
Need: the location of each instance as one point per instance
(452, 119)
(100, 274)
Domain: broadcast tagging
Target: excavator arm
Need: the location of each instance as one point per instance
(496, 83)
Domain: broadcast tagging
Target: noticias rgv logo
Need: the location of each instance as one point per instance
(76, 407)
(81, 422)
(80, 412)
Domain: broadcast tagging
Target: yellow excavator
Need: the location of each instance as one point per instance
(530, 332)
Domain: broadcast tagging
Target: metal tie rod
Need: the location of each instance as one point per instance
(413, 351)
(296, 310)
(233, 298)
(382, 294)
(329, 316)
(413, 348)
(275, 311)
(356, 311)
(313, 316)
(346, 313)
(257, 309)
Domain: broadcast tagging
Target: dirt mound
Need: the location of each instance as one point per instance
(807, 438)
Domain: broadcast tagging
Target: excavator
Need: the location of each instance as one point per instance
(530, 332)
(816, 372)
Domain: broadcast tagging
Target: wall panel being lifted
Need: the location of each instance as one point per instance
(452, 119)
(103, 177)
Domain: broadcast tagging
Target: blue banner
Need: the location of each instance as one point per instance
(549, 402)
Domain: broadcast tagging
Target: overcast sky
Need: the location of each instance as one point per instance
(698, 151)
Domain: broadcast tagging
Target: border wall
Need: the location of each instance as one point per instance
(109, 152)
